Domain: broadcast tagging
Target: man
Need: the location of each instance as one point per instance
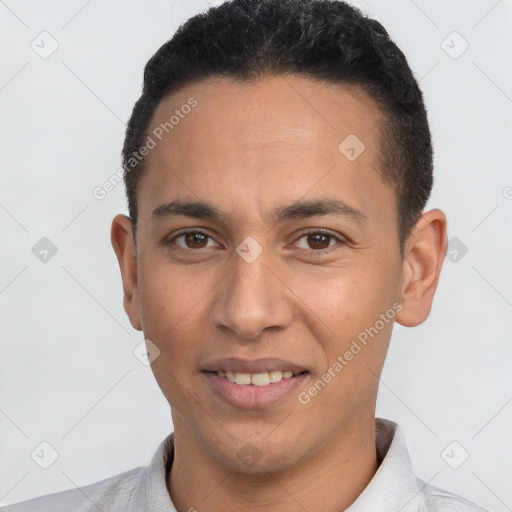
(277, 166)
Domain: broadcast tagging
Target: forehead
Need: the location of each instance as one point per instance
(278, 137)
(288, 109)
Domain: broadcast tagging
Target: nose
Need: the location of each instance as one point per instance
(251, 299)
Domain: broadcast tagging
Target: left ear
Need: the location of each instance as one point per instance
(424, 254)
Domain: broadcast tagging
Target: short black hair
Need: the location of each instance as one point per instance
(324, 40)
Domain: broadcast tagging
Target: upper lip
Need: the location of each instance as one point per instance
(265, 364)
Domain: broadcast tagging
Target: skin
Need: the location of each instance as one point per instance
(248, 150)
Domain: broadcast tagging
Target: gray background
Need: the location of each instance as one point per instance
(68, 375)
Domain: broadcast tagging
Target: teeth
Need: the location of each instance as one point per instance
(243, 378)
(275, 376)
(256, 379)
(260, 379)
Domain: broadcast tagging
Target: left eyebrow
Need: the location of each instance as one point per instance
(304, 209)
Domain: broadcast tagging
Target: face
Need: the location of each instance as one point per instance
(267, 253)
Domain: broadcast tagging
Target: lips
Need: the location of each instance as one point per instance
(253, 384)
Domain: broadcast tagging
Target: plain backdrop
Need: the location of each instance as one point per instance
(68, 375)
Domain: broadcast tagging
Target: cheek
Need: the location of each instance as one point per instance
(169, 293)
(347, 322)
(346, 300)
(355, 341)
(171, 309)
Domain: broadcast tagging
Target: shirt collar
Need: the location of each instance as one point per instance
(151, 493)
(394, 487)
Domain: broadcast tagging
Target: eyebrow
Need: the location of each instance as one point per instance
(196, 209)
(297, 210)
(304, 209)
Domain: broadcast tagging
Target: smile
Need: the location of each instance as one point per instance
(255, 379)
(253, 383)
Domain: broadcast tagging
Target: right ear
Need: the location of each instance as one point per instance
(122, 239)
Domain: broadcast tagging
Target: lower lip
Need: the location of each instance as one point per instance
(249, 396)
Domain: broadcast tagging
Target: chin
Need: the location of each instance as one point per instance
(254, 455)
(251, 461)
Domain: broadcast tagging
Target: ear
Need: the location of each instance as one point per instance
(423, 259)
(124, 246)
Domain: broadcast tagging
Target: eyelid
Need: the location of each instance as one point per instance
(323, 231)
(185, 231)
(341, 240)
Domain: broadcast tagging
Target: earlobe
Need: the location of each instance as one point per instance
(123, 243)
(423, 259)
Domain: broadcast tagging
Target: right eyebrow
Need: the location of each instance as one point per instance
(195, 209)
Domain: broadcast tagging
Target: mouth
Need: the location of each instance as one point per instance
(253, 384)
(256, 379)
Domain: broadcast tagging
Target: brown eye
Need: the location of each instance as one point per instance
(194, 240)
(319, 241)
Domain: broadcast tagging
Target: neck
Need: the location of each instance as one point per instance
(331, 479)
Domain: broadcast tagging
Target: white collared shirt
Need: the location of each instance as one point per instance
(394, 487)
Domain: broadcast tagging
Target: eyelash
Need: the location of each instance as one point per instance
(320, 231)
(311, 252)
